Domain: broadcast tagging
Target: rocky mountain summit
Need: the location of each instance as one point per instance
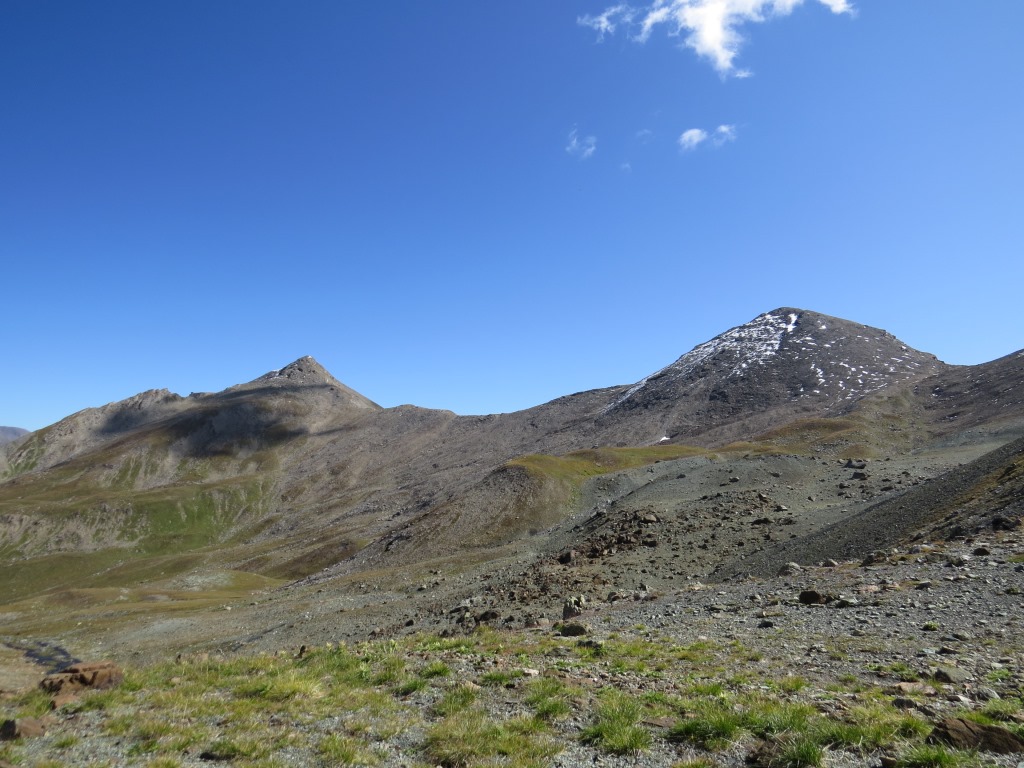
(780, 365)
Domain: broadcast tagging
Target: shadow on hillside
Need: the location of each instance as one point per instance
(223, 424)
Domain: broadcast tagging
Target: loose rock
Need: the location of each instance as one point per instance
(966, 734)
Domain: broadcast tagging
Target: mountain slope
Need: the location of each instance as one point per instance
(10, 434)
(294, 475)
(782, 364)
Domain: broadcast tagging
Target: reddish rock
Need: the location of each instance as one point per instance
(959, 733)
(22, 728)
(79, 677)
(63, 700)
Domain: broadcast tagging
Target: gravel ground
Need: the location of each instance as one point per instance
(921, 614)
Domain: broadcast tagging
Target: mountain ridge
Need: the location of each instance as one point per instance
(295, 478)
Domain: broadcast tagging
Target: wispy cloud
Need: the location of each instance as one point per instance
(581, 147)
(691, 139)
(708, 27)
(724, 134)
(606, 22)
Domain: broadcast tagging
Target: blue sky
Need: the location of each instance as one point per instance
(481, 206)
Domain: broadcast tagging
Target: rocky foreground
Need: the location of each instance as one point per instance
(911, 658)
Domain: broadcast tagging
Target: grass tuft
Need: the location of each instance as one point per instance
(469, 737)
(616, 728)
(549, 698)
(711, 727)
(936, 756)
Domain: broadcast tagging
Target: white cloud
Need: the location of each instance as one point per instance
(691, 139)
(709, 27)
(581, 147)
(644, 135)
(606, 22)
(724, 134)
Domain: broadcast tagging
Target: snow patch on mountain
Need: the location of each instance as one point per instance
(839, 358)
(753, 343)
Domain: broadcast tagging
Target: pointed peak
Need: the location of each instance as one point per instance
(307, 365)
(307, 373)
(812, 352)
(304, 370)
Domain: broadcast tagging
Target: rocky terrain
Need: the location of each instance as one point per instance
(911, 658)
(795, 454)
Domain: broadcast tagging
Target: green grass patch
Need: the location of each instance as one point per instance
(410, 686)
(616, 728)
(936, 756)
(549, 698)
(456, 700)
(346, 750)
(500, 678)
(470, 737)
(576, 466)
(711, 725)
(800, 751)
(767, 717)
(434, 669)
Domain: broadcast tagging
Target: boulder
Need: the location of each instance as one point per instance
(573, 606)
(951, 675)
(813, 597)
(572, 629)
(81, 677)
(1005, 523)
(845, 602)
(22, 728)
(959, 733)
(875, 558)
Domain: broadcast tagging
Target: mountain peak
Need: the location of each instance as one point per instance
(787, 355)
(809, 340)
(305, 370)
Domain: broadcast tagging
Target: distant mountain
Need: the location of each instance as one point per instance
(295, 476)
(10, 434)
(782, 364)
